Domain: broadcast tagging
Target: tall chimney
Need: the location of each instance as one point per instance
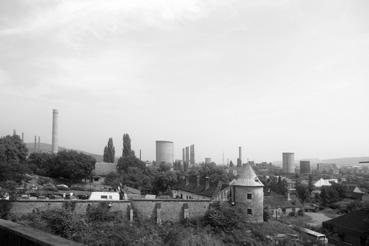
(39, 145)
(35, 145)
(140, 155)
(14, 132)
(54, 145)
(240, 153)
(23, 137)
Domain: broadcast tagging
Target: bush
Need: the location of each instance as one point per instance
(224, 217)
(100, 212)
(5, 208)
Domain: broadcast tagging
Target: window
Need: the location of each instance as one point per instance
(110, 197)
(249, 196)
(104, 197)
(249, 211)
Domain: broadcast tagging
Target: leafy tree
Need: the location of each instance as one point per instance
(41, 163)
(302, 192)
(73, 165)
(109, 152)
(164, 181)
(127, 151)
(12, 149)
(310, 184)
(129, 161)
(13, 155)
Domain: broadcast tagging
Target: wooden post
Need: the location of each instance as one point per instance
(158, 213)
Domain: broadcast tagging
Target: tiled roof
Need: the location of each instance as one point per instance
(247, 177)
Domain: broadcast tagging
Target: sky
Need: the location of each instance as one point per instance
(268, 75)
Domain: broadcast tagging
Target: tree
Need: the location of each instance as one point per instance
(73, 165)
(13, 154)
(302, 192)
(310, 184)
(41, 163)
(109, 152)
(13, 149)
(127, 146)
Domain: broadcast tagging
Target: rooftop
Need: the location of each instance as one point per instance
(247, 177)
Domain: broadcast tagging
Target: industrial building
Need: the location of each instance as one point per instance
(305, 167)
(288, 162)
(164, 152)
(192, 155)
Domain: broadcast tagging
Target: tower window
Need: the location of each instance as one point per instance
(249, 196)
(249, 211)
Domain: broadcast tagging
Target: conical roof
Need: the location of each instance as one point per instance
(247, 177)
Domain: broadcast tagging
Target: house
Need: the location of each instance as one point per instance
(353, 191)
(351, 229)
(324, 182)
(280, 206)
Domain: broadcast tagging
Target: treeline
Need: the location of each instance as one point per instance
(68, 164)
(14, 164)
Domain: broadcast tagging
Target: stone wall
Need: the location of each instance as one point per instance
(169, 210)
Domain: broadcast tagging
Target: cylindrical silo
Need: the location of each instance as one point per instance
(164, 152)
(288, 159)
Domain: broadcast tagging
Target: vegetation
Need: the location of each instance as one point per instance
(109, 152)
(13, 154)
(331, 194)
(67, 164)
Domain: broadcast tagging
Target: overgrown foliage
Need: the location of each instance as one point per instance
(68, 164)
(13, 154)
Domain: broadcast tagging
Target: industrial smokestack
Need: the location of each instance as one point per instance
(35, 145)
(14, 132)
(23, 137)
(38, 144)
(54, 145)
(240, 153)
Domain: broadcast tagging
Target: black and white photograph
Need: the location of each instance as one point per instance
(184, 122)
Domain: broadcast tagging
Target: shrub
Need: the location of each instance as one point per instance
(100, 212)
(5, 208)
(223, 217)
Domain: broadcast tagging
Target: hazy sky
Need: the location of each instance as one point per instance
(271, 76)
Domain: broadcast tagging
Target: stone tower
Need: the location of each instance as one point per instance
(247, 192)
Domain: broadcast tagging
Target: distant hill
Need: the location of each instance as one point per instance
(46, 148)
(340, 162)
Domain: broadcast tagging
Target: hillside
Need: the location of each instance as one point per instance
(46, 148)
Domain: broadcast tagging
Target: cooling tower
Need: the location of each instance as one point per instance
(288, 162)
(164, 152)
